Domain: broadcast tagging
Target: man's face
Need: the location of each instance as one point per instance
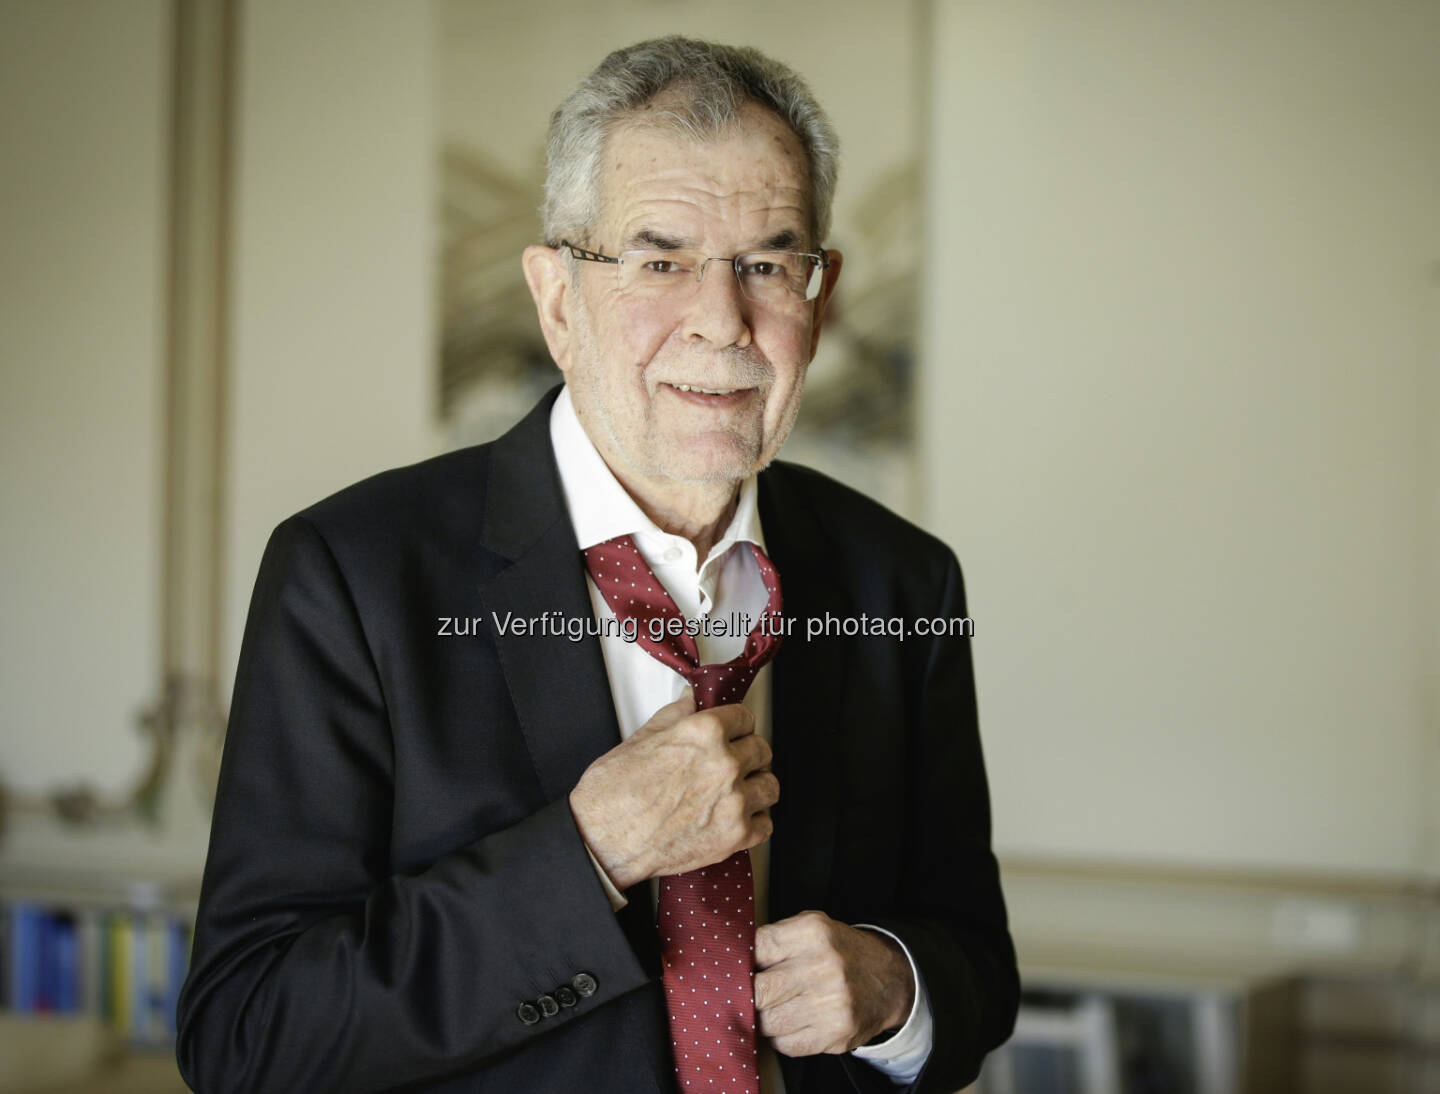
(633, 357)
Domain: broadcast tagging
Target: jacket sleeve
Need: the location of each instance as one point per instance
(314, 968)
(954, 921)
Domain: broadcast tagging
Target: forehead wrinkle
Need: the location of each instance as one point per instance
(716, 196)
(755, 172)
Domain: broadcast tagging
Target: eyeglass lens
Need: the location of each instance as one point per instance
(766, 277)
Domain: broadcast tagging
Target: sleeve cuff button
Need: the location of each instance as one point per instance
(585, 984)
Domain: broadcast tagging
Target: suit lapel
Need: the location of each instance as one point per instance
(559, 686)
(806, 704)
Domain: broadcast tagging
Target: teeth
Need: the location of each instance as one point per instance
(706, 390)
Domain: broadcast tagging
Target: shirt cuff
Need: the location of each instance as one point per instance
(903, 1055)
(618, 899)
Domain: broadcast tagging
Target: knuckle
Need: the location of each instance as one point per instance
(761, 828)
(814, 923)
(706, 725)
(732, 767)
(770, 787)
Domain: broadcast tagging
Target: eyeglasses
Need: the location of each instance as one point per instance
(772, 278)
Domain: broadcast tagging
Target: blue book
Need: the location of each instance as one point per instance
(7, 959)
(177, 959)
(25, 928)
(45, 963)
(65, 943)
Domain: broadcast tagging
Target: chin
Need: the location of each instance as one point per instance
(702, 461)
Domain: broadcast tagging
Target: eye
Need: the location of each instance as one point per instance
(763, 268)
(664, 263)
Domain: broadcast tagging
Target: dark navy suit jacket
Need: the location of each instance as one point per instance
(394, 870)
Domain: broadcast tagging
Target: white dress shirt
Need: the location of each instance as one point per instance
(726, 585)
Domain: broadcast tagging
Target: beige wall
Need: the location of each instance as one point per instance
(1428, 409)
(332, 362)
(1179, 379)
(330, 358)
(1178, 420)
(83, 123)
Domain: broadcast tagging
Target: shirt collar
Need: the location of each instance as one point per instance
(601, 510)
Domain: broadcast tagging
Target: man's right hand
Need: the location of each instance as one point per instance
(687, 789)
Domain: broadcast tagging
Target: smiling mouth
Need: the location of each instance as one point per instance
(708, 390)
(713, 398)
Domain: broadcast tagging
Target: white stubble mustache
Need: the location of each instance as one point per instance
(742, 368)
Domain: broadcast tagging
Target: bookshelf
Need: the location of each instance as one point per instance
(90, 973)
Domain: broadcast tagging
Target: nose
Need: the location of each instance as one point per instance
(718, 312)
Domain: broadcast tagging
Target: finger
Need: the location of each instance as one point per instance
(668, 715)
(738, 719)
(760, 828)
(775, 986)
(772, 944)
(800, 1042)
(782, 1019)
(752, 752)
(761, 790)
(803, 934)
(806, 931)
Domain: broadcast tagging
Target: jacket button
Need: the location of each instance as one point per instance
(565, 996)
(528, 1014)
(584, 983)
(548, 1006)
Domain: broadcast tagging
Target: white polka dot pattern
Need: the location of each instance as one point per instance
(706, 916)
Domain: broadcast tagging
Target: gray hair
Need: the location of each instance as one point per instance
(710, 83)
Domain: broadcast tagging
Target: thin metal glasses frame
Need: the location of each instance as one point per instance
(822, 260)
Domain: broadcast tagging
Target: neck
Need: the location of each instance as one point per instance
(699, 511)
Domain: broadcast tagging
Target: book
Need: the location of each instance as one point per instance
(64, 964)
(178, 960)
(26, 926)
(120, 966)
(124, 964)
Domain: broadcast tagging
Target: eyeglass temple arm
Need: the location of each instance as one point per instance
(588, 256)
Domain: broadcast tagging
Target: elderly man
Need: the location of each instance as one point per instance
(528, 738)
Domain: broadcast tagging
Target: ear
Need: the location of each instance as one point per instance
(548, 274)
(827, 286)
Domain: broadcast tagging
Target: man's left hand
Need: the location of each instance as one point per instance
(823, 986)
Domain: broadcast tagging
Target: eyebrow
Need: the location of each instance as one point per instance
(649, 237)
(785, 240)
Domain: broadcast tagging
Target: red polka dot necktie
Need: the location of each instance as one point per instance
(706, 917)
